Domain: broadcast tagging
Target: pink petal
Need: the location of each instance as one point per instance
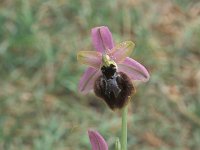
(97, 141)
(134, 70)
(87, 80)
(102, 39)
(121, 51)
(90, 58)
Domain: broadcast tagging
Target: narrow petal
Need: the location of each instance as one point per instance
(102, 39)
(90, 58)
(87, 80)
(121, 51)
(134, 69)
(97, 141)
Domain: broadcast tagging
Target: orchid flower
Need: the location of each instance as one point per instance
(111, 71)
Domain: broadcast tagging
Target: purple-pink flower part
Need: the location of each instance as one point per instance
(97, 141)
(102, 39)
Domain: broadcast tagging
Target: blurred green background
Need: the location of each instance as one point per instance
(40, 108)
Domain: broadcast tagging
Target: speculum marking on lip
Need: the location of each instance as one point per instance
(113, 87)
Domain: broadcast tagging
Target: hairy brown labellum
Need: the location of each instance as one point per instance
(113, 87)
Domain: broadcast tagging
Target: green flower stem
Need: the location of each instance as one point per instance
(124, 128)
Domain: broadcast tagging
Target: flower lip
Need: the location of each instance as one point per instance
(115, 89)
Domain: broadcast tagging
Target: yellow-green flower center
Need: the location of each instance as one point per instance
(107, 61)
